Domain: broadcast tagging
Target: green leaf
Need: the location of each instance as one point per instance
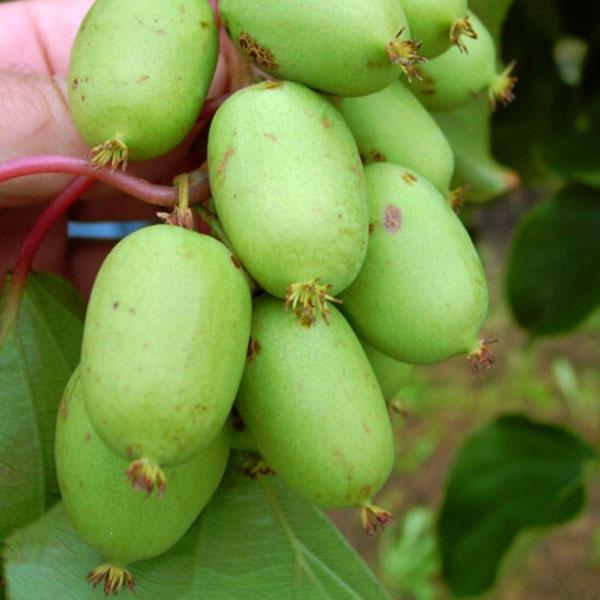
(36, 361)
(468, 131)
(512, 475)
(553, 276)
(255, 540)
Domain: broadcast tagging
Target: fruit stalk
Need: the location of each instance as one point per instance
(31, 244)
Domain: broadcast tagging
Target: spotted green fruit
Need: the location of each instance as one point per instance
(392, 125)
(164, 346)
(391, 374)
(125, 527)
(289, 187)
(139, 73)
(438, 24)
(347, 47)
(455, 78)
(421, 295)
(311, 401)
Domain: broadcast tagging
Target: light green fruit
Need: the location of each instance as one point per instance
(139, 73)
(468, 131)
(437, 24)
(421, 295)
(289, 187)
(125, 527)
(344, 47)
(392, 125)
(455, 78)
(311, 401)
(391, 374)
(164, 346)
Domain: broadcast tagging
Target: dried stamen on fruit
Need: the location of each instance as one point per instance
(482, 359)
(502, 88)
(406, 54)
(459, 28)
(255, 466)
(308, 300)
(114, 579)
(145, 476)
(114, 152)
(456, 197)
(373, 518)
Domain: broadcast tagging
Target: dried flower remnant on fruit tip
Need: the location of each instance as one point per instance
(374, 518)
(255, 466)
(114, 579)
(308, 300)
(456, 197)
(405, 53)
(145, 475)
(459, 28)
(114, 152)
(482, 359)
(502, 88)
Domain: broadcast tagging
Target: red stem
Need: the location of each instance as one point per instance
(141, 189)
(53, 211)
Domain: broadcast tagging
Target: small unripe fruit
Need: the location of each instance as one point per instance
(347, 47)
(164, 346)
(139, 73)
(125, 527)
(455, 78)
(288, 187)
(421, 295)
(393, 126)
(313, 405)
(438, 24)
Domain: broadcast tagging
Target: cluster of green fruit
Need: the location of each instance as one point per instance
(181, 325)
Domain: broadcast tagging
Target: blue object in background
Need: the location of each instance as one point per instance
(103, 230)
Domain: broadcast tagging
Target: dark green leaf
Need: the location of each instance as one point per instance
(512, 475)
(255, 540)
(553, 275)
(36, 361)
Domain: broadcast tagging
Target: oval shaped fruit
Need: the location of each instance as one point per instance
(392, 125)
(164, 346)
(313, 405)
(455, 78)
(421, 295)
(391, 374)
(438, 24)
(125, 527)
(139, 73)
(288, 186)
(346, 47)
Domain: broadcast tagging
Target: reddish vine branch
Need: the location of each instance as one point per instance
(141, 189)
(53, 211)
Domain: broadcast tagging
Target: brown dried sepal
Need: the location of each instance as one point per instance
(254, 466)
(502, 88)
(405, 53)
(456, 197)
(112, 577)
(482, 359)
(258, 54)
(114, 152)
(459, 28)
(145, 476)
(181, 218)
(374, 518)
(309, 300)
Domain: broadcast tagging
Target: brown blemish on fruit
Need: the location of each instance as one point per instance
(143, 78)
(258, 54)
(235, 260)
(224, 161)
(63, 410)
(377, 156)
(200, 407)
(271, 136)
(326, 122)
(115, 304)
(366, 491)
(272, 85)
(392, 219)
(83, 97)
(366, 428)
(88, 436)
(371, 227)
(131, 311)
(409, 178)
(204, 24)
(253, 350)
(74, 84)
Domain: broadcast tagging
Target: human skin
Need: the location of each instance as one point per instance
(35, 43)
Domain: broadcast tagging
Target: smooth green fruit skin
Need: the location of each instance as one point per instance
(140, 71)
(336, 47)
(313, 405)
(431, 21)
(121, 525)
(468, 131)
(421, 295)
(455, 78)
(164, 343)
(288, 186)
(392, 125)
(391, 374)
